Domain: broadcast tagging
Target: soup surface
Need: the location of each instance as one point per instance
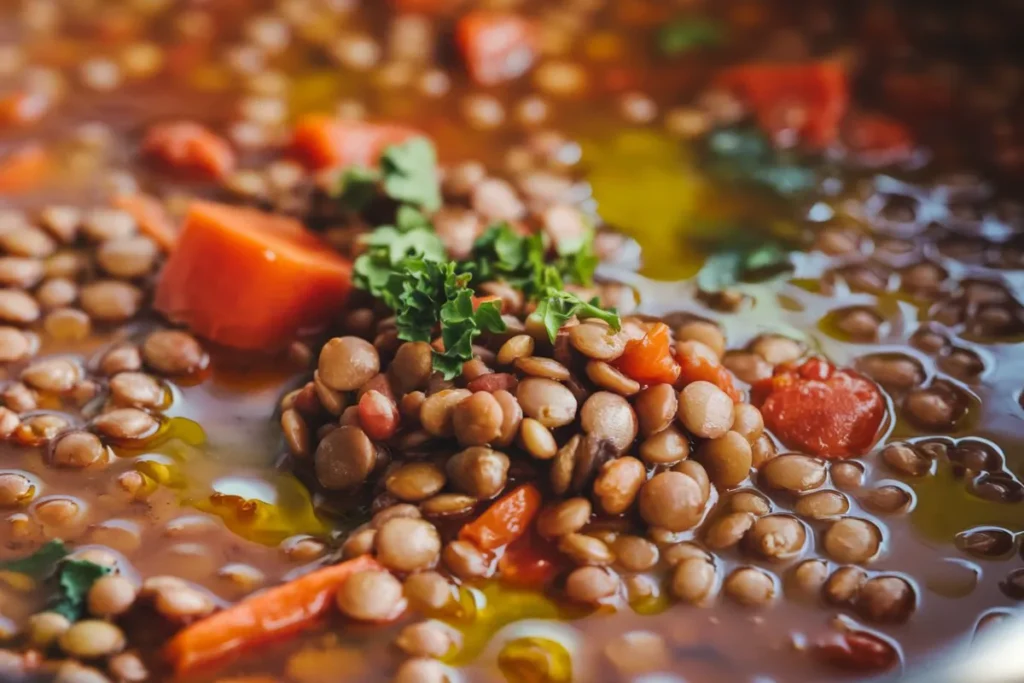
(432, 340)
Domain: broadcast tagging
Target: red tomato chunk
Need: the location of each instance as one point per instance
(821, 410)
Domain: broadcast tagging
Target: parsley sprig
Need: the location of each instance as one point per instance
(407, 174)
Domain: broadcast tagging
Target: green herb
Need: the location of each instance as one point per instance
(555, 307)
(358, 188)
(41, 563)
(409, 173)
(74, 579)
(460, 325)
(386, 248)
(410, 218)
(684, 35)
(726, 268)
(744, 155)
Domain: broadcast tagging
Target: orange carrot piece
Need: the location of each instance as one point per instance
(506, 520)
(272, 614)
(249, 279)
(531, 562)
(190, 148)
(495, 46)
(694, 368)
(20, 108)
(152, 218)
(822, 89)
(25, 169)
(877, 139)
(649, 360)
(326, 142)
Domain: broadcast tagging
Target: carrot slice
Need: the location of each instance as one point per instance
(694, 368)
(190, 148)
(249, 279)
(496, 47)
(326, 142)
(822, 89)
(531, 562)
(649, 360)
(25, 169)
(272, 614)
(506, 520)
(152, 218)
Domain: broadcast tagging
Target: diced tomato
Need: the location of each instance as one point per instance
(820, 410)
(505, 521)
(694, 368)
(493, 381)
(821, 89)
(378, 415)
(649, 360)
(877, 139)
(497, 47)
(531, 562)
(249, 279)
(190, 148)
(152, 217)
(857, 651)
(326, 142)
(24, 169)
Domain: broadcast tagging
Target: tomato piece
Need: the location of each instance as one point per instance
(505, 521)
(326, 142)
(190, 148)
(249, 279)
(493, 381)
(858, 651)
(530, 562)
(817, 409)
(378, 415)
(821, 89)
(649, 360)
(496, 47)
(25, 169)
(878, 139)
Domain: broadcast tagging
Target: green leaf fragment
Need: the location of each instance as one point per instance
(410, 175)
(685, 35)
(725, 269)
(74, 579)
(358, 187)
(41, 563)
(744, 155)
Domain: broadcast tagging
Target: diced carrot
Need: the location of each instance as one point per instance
(152, 217)
(649, 360)
(497, 47)
(326, 142)
(249, 279)
(261, 618)
(506, 520)
(821, 89)
(190, 148)
(694, 368)
(530, 561)
(20, 107)
(25, 169)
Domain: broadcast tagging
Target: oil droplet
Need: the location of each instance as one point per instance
(535, 660)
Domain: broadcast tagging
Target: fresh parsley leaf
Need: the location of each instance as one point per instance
(358, 187)
(726, 268)
(460, 325)
(410, 218)
(556, 307)
(577, 261)
(744, 155)
(41, 563)
(74, 579)
(410, 176)
(387, 247)
(684, 35)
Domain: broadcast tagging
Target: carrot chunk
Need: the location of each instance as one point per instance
(249, 279)
(820, 89)
(152, 218)
(506, 520)
(326, 142)
(190, 148)
(695, 368)
(25, 169)
(877, 139)
(263, 617)
(530, 562)
(649, 360)
(496, 47)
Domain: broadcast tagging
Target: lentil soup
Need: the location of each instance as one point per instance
(436, 340)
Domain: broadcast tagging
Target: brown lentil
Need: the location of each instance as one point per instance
(852, 541)
(705, 410)
(344, 458)
(695, 580)
(591, 585)
(750, 587)
(478, 471)
(407, 545)
(370, 596)
(666, 447)
(618, 483)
